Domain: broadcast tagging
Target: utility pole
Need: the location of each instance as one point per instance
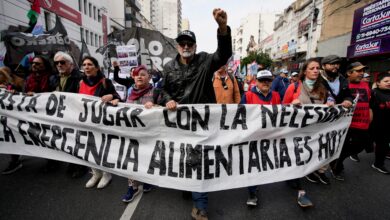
(310, 34)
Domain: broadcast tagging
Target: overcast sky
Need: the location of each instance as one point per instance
(199, 13)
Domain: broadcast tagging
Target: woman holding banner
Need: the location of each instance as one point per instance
(94, 83)
(142, 93)
(309, 90)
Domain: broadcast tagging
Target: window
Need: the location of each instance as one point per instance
(100, 41)
(94, 12)
(92, 43)
(85, 7)
(99, 16)
(81, 33)
(87, 37)
(90, 9)
(80, 6)
(96, 41)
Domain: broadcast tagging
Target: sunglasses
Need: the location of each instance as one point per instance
(62, 62)
(265, 80)
(184, 43)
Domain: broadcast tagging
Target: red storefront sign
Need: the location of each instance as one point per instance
(61, 9)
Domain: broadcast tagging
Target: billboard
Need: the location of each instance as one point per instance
(371, 30)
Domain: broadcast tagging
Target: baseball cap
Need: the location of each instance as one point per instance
(294, 74)
(264, 74)
(186, 34)
(331, 59)
(356, 66)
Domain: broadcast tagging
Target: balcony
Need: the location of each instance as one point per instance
(134, 4)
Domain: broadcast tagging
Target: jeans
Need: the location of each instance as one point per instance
(200, 200)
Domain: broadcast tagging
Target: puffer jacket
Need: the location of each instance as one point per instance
(192, 83)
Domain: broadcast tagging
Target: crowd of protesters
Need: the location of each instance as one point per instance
(193, 78)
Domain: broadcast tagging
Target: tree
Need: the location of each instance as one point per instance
(259, 57)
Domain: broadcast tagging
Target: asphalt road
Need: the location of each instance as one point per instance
(32, 194)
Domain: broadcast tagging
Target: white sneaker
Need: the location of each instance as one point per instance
(105, 180)
(96, 176)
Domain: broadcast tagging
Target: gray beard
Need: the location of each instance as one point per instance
(187, 54)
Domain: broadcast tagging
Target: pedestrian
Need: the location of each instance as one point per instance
(94, 83)
(366, 78)
(294, 77)
(281, 83)
(309, 90)
(357, 138)
(226, 87)
(127, 82)
(261, 93)
(187, 79)
(142, 93)
(380, 105)
(68, 80)
(42, 79)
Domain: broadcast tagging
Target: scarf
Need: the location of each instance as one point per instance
(138, 93)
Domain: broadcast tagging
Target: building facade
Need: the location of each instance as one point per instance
(164, 15)
(82, 19)
(296, 34)
(253, 29)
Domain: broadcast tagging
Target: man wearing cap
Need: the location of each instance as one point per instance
(294, 77)
(281, 83)
(261, 93)
(334, 82)
(357, 136)
(187, 79)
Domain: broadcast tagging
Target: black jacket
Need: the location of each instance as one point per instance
(192, 83)
(72, 83)
(128, 82)
(344, 93)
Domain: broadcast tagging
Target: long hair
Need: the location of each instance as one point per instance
(318, 87)
(46, 63)
(95, 63)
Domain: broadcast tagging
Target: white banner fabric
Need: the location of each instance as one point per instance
(196, 148)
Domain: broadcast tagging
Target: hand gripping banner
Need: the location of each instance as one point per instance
(196, 148)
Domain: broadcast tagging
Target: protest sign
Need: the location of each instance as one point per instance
(153, 49)
(127, 59)
(196, 148)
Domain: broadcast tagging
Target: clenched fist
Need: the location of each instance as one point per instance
(220, 17)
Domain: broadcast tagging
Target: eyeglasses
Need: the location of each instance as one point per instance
(62, 62)
(36, 63)
(188, 43)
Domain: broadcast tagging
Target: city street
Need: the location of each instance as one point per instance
(32, 194)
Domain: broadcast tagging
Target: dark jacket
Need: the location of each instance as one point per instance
(280, 85)
(128, 82)
(192, 83)
(344, 93)
(72, 83)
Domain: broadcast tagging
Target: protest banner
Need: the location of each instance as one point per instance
(203, 147)
(127, 59)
